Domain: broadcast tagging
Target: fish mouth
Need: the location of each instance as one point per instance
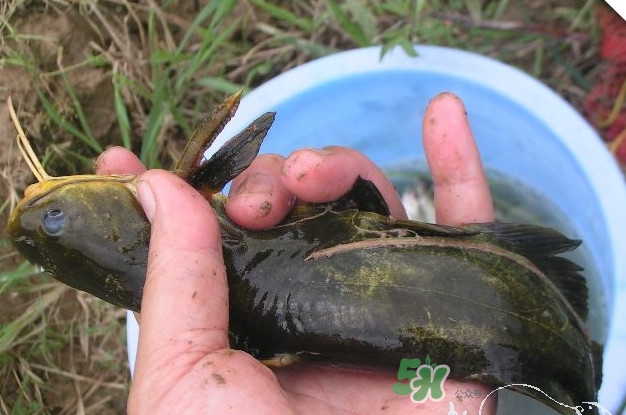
(36, 191)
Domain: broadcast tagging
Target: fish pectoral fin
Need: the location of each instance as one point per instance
(363, 196)
(286, 359)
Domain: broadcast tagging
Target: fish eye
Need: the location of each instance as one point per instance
(53, 222)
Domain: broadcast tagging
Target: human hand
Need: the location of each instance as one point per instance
(184, 364)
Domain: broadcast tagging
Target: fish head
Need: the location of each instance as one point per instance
(87, 231)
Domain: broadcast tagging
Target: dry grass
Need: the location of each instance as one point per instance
(86, 74)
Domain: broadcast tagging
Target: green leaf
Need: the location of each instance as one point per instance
(352, 28)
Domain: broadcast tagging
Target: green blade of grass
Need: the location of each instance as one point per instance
(121, 112)
(82, 118)
(207, 49)
(499, 10)
(17, 275)
(219, 84)
(206, 11)
(221, 12)
(159, 97)
(354, 30)
(573, 72)
(148, 154)
(212, 39)
(10, 332)
(399, 37)
(285, 15)
(66, 125)
(313, 48)
(538, 59)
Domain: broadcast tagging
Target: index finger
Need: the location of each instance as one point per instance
(461, 190)
(118, 160)
(325, 175)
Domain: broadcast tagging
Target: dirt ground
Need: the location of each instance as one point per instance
(67, 40)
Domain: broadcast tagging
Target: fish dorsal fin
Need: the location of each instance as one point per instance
(203, 136)
(365, 196)
(233, 157)
(541, 246)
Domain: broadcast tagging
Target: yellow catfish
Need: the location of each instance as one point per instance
(341, 282)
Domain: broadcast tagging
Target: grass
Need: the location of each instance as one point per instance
(140, 74)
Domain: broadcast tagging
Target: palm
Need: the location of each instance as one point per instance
(209, 387)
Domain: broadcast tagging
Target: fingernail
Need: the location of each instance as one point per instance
(146, 198)
(255, 183)
(96, 162)
(324, 151)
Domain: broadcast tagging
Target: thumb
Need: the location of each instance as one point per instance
(184, 312)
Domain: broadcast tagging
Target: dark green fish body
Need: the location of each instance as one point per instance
(344, 282)
(364, 289)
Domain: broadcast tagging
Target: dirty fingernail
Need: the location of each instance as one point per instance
(256, 182)
(97, 161)
(324, 151)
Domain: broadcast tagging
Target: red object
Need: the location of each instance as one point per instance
(605, 106)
